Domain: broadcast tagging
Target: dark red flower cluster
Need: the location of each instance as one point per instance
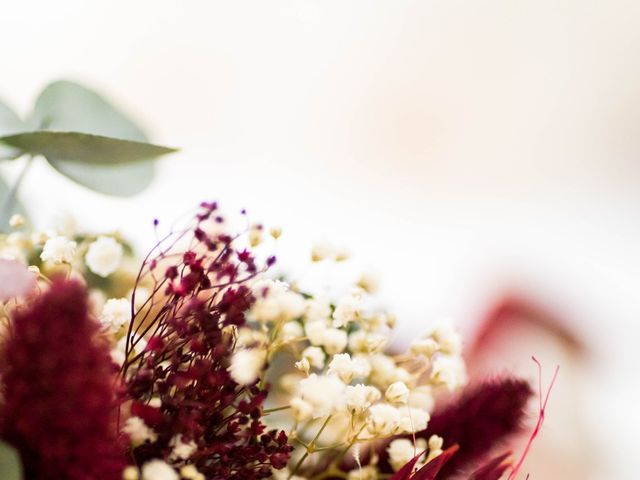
(185, 363)
(58, 384)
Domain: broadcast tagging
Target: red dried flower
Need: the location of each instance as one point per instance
(58, 390)
(186, 361)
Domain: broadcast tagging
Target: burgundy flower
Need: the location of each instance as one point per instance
(185, 366)
(58, 383)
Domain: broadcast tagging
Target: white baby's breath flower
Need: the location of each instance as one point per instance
(384, 420)
(413, 419)
(315, 332)
(383, 370)
(323, 392)
(435, 447)
(421, 397)
(58, 249)
(358, 398)
(449, 371)
(130, 473)
(449, 341)
(138, 431)
(303, 365)
(348, 309)
(115, 313)
(348, 368)
(397, 393)
(367, 342)
(275, 302)
(190, 472)
(246, 365)
(334, 340)
(302, 410)
(158, 470)
(317, 309)
(181, 450)
(369, 281)
(104, 256)
(424, 346)
(291, 331)
(322, 251)
(315, 356)
(402, 450)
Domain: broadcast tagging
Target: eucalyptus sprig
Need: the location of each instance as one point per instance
(82, 136)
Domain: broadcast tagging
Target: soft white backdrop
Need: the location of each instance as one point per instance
(458, 147)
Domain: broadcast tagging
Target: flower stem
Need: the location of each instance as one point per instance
(310, 448)
(10, 198)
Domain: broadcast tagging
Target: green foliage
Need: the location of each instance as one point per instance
(10, 465)
(83, 137)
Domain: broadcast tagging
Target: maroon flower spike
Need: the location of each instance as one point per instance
(479, 420)
(58, 386)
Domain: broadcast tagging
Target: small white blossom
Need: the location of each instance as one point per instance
(190, 472)
(246, 365)
(138, 431)
(115, 313)
(302, 410)
(435, 447)
(347, 368)
(334, 340)
(158, 470)
(397, 393)
(303, 365)
(449, 371)
(323, 392)
(424, 346)
(104, 256)
(181, 450)
(348, 309)
(59, 250)
(383, 370)
(358, 398)
(321, 251)
(402, 450)
(317, 309)
(413, 419)
(291, 331)
(449, 341)
(421, 397)
(384, 420)
(315, 356)
(366, 342)
(315, 332)
(275, 302)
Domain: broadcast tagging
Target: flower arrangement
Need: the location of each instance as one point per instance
(198, 362)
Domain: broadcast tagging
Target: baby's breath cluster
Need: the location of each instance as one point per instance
(337, 387)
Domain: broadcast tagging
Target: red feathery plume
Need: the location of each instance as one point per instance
(58, 384)
(479, 420)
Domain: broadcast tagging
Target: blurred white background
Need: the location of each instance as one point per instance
(461, 148)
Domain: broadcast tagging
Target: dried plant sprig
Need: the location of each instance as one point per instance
(182, 382)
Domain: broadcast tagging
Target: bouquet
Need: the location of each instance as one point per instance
(199, 362)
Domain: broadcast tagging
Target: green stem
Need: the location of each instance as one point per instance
(10, 198)
(310, 448)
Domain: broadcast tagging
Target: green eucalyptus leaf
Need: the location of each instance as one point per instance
(84, 147)
(68, 106)
(10, 123)
(121, 180)
(10, 464)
